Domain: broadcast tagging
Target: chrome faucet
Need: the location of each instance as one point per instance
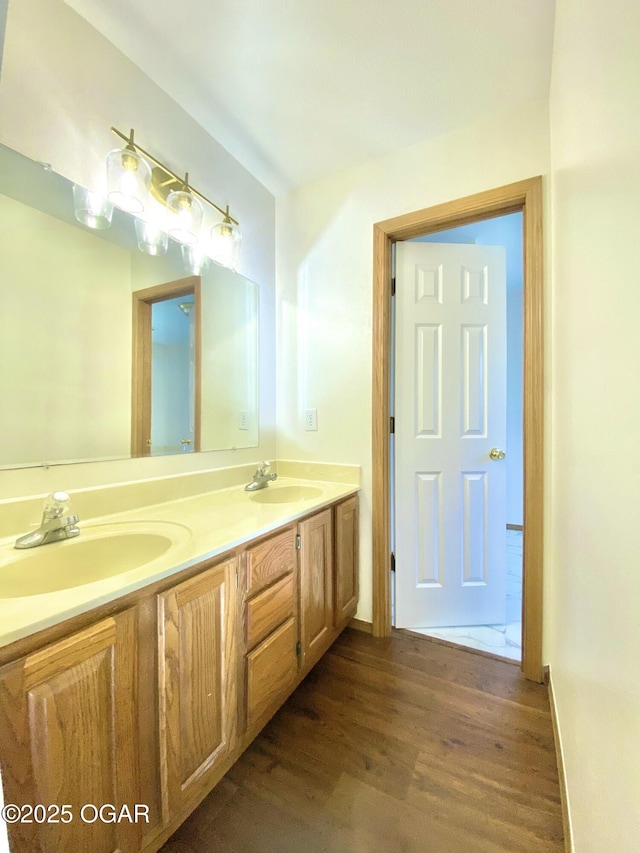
(261, 478)
(55, 525)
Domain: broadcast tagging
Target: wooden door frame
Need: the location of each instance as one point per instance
(141, 357)
(525, 196)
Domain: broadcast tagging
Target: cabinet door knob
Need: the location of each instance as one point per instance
(495, 453)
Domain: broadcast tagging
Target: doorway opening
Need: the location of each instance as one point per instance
(457, 501)
(526, 197)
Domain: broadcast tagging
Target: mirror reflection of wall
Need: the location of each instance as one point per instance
(229, 379)
(66, 332)
(65, 353)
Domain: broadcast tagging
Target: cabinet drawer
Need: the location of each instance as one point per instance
(270, 560)
(271, 668)
(269, 609)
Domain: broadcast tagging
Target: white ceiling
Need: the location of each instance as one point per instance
(299, 89)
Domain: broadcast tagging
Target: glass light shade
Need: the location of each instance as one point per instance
(185, 217)
(195, 259)
(91, 209)
(225, 244)
(151, 239)
(128, 179)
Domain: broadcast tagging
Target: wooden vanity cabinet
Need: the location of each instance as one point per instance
(197, 684)
(307, 591)
(68, 718)
(152, 697)
(139, 707)
(268, 560)
(316, 585)
(345, 594)
(270, 626)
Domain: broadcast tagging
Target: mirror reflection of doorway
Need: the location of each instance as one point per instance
(172, 376)
(166, 368)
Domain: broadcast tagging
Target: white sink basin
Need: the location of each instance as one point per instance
(99, 552)
(285, 494)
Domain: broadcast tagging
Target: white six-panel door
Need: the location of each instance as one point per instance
(450, 411)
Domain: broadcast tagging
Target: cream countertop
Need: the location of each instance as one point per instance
(202, 527)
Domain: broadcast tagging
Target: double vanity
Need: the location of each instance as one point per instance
(139, 659)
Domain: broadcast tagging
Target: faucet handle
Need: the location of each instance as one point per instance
(70, 525)
(264, 468)
(56, 504)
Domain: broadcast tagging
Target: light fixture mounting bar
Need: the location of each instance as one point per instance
(180, 180)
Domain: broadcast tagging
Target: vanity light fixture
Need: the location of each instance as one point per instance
(185, 215)
(151, 239)
(195, 259)
(128, 177)
(91, 208)
(183, 201)
(225, 242)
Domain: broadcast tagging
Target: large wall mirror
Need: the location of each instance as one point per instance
(106, 352)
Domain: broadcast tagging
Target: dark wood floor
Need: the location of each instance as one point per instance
(392, 745)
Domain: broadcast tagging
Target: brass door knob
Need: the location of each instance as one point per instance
(495, 454)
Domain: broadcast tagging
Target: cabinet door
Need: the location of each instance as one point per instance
(316, 586)
(68, 716)
(346, 562)
(198, 683)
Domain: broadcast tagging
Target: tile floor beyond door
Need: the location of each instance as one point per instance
(504, 640)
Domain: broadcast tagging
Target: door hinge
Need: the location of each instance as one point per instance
(298, 648)
(393, 286)
(298, 542)
(393, 562)
(392, 425)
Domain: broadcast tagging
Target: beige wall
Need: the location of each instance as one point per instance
(62, 86)
(594, 579)
(325, 251)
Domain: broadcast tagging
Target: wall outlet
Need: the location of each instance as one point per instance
(243, 420)
(311, 419)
